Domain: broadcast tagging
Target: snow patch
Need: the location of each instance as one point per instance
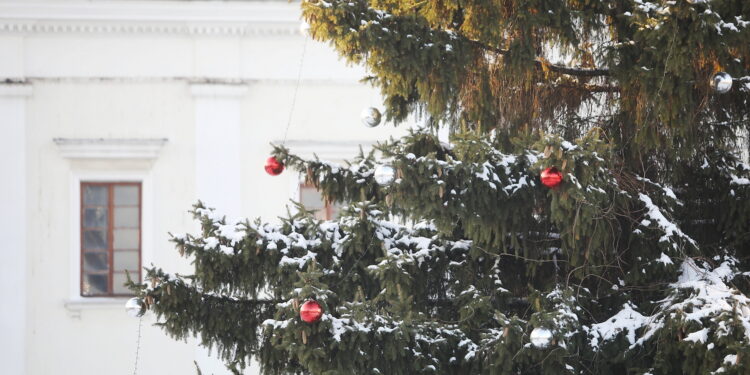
(627, 320)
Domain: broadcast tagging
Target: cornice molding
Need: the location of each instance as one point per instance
(110, 148)
(159, 17)
(192, 81)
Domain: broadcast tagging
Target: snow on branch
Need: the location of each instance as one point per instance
(700, 295)
(670, 229)
(627, 321)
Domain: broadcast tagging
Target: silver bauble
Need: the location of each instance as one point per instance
(721, 83)
(135, 307)
(541, 337)
(371, 117)
(384, 174)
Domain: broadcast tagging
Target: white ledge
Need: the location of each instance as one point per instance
(76, 305)
(110, 148)
(15, 90)
(327, 150)
(216, 90)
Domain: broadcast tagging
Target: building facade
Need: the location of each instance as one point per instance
(117, 116)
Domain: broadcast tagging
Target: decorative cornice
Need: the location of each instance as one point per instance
(193, 81)
(161, 17)
(110, 148)
(328, 150)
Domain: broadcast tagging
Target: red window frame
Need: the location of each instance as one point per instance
(110, 237)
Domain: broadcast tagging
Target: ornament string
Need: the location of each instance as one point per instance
(296, 89)
(137, 346)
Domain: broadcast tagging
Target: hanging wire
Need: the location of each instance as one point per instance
(137, 346)
(296, 88)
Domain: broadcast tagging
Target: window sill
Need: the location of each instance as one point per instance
(74, 306)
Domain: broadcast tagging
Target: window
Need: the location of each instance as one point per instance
(110, 237)
(313, 201)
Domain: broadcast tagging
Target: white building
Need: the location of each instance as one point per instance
(115, 117)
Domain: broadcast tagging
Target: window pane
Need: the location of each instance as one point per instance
(118, 281)
(121, 201)
(126, 217)
(95, 195)
(126, 195)
(94, 284)
(95, 240)
(311, 198)
(126, 238)
(95, 261)
(95, 217)
(126, 260)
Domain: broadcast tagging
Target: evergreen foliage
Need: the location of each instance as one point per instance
(637, 263)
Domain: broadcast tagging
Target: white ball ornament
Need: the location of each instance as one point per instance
(721, 83)
(541, 337)
(371, 117)
(384, 174)
(135, 307)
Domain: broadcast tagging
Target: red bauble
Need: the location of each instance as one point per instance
(310, 311)
(551, 177)
(273, 166)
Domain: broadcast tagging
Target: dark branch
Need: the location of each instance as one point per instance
(578, 72)
(590, 88)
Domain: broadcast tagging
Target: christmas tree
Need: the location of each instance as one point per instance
(589, 213)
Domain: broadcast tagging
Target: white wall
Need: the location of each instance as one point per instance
(130, 69)
(102, 338)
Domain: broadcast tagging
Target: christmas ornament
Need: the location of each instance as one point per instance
(551, 177)
(310, 311)
(371, 117)
(541, 337)
(721, 83)
(384, 174)
(273, 166)
(135, 307)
